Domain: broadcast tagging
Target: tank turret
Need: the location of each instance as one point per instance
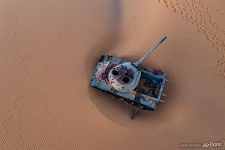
(130, 81)
(125, 77)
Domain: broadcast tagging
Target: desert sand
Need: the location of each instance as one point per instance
(48, 50)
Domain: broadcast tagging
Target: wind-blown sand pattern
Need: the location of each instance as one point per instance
(205, 18)
(48, 50)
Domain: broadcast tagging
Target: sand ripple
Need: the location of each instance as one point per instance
(206, 20)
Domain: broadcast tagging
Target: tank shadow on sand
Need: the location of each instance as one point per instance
(105, 103)
(108, 41)
(115, 110)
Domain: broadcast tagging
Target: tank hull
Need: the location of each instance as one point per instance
(146, 95)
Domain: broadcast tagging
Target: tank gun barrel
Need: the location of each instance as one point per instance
(150, 51)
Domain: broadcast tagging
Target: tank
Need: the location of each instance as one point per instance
(130, 81)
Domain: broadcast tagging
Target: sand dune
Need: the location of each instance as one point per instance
(48, 51)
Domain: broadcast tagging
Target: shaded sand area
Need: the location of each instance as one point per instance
(48, 50)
